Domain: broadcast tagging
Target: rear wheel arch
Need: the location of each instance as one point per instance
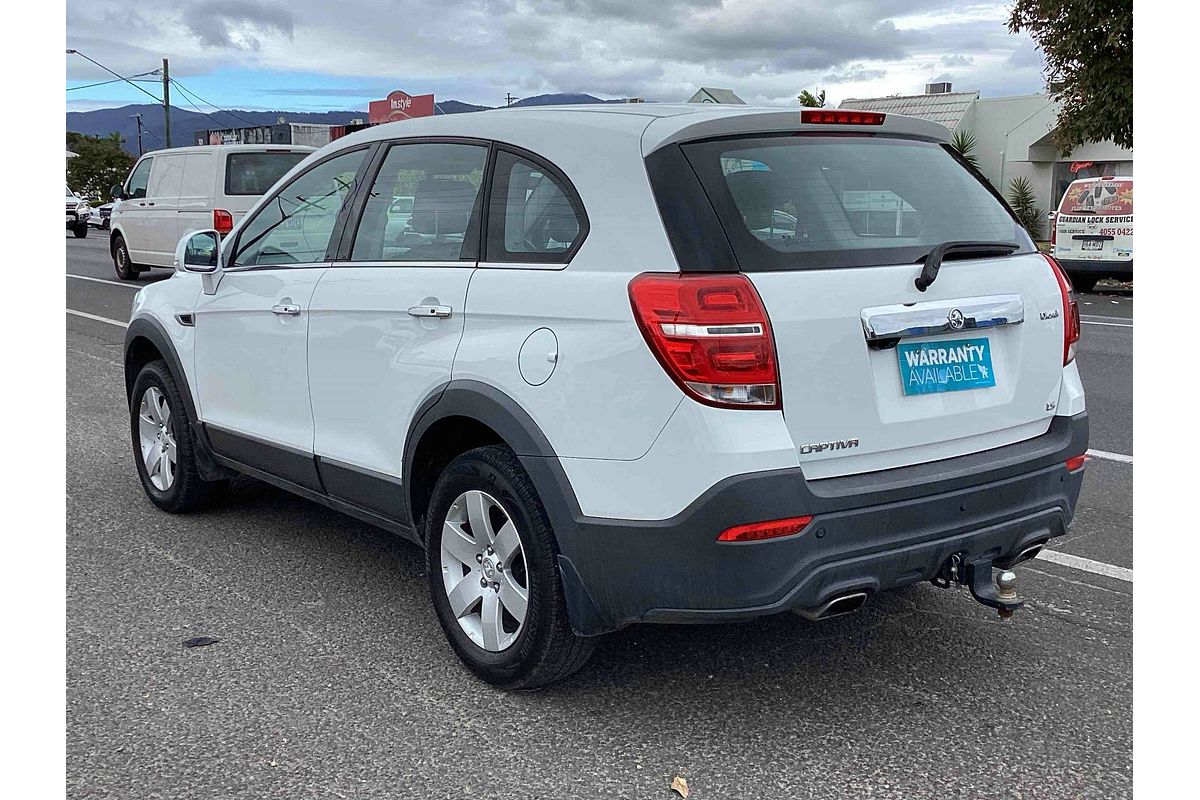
(463, 415)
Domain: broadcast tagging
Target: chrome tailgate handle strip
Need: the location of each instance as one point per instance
(937, 317)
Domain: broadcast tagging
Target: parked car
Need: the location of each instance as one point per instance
(596, 394)
(78, 213)
(102, 219)
(170, 193)
(1091, 234)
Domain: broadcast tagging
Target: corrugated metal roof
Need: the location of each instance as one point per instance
(946, 109)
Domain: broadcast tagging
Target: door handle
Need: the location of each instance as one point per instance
(431, 311)
(286, 310)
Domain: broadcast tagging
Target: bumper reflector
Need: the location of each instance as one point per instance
(1076, 463)
(756, 531)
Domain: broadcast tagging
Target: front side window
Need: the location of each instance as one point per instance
(295, 226)
(422, 203)
(136, 187)
(789, 202)
(532, 217)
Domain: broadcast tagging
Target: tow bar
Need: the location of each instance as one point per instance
(976, 575)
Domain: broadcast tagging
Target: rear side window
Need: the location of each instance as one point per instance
(534, 215)
(805, 202)
(136, 187)
(295, 226)
(422, 203)
(255, 173)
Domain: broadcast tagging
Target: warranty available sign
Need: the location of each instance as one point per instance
(927, 367)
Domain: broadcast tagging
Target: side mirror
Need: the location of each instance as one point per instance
(199, 252)
(117, 192)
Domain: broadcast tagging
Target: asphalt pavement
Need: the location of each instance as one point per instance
(331, 677)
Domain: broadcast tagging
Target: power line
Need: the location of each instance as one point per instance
(115, 80)
(188, 91)
(72, 51)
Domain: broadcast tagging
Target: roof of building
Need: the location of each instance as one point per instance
(707, 94)
(945, 109)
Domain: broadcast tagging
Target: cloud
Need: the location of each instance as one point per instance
(764, 50)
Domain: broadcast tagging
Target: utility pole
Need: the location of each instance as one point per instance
(509, 99)
(166, 78)
(138, 117)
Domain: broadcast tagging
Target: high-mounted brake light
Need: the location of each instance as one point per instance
(1076, 463)
(1070, 310)
(711, 335)
(835, 116)
(222, 221)
(757, 531)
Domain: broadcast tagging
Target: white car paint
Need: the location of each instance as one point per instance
(344, 377)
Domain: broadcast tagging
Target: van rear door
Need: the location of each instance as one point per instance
(832, 229)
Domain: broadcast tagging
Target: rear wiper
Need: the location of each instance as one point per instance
(933, 261)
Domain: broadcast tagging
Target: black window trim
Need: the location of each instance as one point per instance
(334, 237)
(475, 227)
(550, 168)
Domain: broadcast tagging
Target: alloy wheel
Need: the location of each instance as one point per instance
(156, 437)
(484, 571)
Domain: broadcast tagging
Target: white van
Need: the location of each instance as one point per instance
(170, 193)
(1091, 235)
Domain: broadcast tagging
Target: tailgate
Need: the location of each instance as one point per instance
(930, 392)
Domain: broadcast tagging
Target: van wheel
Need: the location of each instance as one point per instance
(493, 573)
(126, 269)
(80, 231)
(163, 447)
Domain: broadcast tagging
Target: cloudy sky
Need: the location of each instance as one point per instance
(323, 54)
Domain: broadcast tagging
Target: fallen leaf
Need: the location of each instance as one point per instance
(200, 641)
(680, 785)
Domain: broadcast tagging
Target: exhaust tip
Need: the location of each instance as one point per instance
(1030, 552)
(843, 604)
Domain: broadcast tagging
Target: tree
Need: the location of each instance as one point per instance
(810, 100)
(1024, 204)
(963, 142)
(101, 163)
(1088, 46)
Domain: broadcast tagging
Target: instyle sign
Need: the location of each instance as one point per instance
(399, 105)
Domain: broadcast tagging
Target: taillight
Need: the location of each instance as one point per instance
(712, 336)
(837, 116)
(757, 531)
(222, 221)
(1076, 463)
(1070, 310)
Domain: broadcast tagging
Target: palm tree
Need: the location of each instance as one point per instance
(1024, 204)
(810, 100)
(963, 142)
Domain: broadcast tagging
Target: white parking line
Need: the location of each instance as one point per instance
(105, 320)
(1106, 324)
(1087, 565)
(122, 284)
(1124, 459)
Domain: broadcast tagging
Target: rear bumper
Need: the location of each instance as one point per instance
(1112, 269)
(870, 532)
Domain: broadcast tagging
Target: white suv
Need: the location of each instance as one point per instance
(630, 364)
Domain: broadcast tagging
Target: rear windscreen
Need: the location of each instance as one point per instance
(804, 202)
(1101, 197)
(255, 173)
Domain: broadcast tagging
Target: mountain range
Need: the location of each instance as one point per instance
(104, 121)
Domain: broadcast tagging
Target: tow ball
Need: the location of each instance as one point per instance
(976, 574)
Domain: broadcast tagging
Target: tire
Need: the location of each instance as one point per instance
(80, 231)
(539, 649)
(1084, 283)
(158, 416)
(122, 263)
